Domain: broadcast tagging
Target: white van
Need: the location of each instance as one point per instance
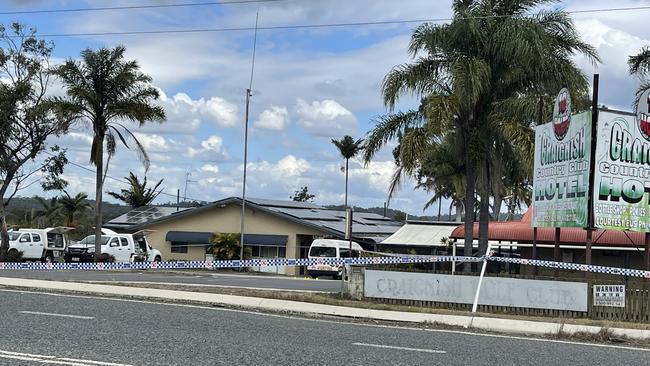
(39, 244)
(124, 247)
(330, 248)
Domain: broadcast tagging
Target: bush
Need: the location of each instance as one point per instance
(12, 256)
(105, 258)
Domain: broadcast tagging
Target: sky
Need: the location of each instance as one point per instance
(310, 85)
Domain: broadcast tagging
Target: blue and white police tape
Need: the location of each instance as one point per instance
(575, 267)
(270, 262)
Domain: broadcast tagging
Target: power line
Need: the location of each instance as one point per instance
(123, 181)
(322, 25)
(135, 7)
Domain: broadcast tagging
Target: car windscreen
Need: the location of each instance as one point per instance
(322, 252)
(90, 239)
(13, 236)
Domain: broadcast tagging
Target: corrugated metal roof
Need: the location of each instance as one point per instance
(522, 232)
(420, 235)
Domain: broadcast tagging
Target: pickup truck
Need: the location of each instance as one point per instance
(39, 244)
(124, 247)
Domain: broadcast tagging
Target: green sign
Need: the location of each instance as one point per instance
(622, 179)
(561, 175)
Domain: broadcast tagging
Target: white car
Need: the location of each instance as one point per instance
(39, 244)
(124, 247)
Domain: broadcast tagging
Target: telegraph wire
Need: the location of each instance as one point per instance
(316, 26)
(135, 7)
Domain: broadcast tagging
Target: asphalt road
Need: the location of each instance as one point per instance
(38, 329)
(234, 280)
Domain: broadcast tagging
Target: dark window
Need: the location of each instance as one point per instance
(611, 253)
(36, 238)
(114, 243)
(327, 252)
(255, 250)
(179, 247)
(25, 239)
(282, 252)
(345, 253)
(124, 241)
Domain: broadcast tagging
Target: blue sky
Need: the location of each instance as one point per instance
(310, 85)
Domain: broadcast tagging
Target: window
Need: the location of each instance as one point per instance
(124, 242)
(255, 250)
(268, 252)
(282, 252)
(25, 239)
(322, 252)
(345, 253)
(179, 247)
(36, 238)
(114, 243)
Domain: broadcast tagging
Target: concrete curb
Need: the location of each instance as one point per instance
(480, 323)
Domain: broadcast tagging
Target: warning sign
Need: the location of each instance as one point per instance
(609, 295)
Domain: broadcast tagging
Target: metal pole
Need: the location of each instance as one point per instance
(178, 199)
(556, 249)
(453, 253)
(480, 279)
(534, 250)
(243, 194)
(592, 168)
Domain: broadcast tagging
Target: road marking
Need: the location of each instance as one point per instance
(57, 315)
(48, 359)
(399, 348)
(445, 331)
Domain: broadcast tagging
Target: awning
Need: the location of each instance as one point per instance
(420, 235)
(189, 237)
(266, 240)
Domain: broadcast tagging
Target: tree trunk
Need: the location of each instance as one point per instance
(496, 211)
(470, 176)
(484, 209)
(4, 234)
(99, 187)
(459, 211)
(346, 183)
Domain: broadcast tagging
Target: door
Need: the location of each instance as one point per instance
(113, 248)
(24, 244)
(124, 250)
(38, 246)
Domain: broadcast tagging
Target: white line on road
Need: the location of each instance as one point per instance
(399, 348)
(445, 331)
(58, 315)
(48, 359)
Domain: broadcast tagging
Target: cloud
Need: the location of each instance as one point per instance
(275, 118)
(211, 149)
(326, 118)
(210, 168)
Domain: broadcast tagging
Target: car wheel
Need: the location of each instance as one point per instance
(157, 259)
(48, 258)
(315, 276)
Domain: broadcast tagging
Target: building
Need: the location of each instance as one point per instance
(624, 249)
(273, 229)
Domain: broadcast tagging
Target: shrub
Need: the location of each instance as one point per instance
(12, 256)
(106, 258)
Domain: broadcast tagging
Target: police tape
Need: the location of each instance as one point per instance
(215, 264)
(574, 266)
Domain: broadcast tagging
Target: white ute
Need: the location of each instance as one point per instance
(124, 247)
(39, 244)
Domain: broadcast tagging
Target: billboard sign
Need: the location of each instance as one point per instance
(622, 177)
(561, 172)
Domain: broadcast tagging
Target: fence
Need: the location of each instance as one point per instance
(637, 298)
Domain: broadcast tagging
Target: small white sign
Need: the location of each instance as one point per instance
(609, 295)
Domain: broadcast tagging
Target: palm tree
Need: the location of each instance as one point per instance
(137, 195)
(475, 78)
(226, 246)
(71, 206)
(49, 211)
(348, 148)
(102, 90)
(639, 65)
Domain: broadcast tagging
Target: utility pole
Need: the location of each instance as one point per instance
(188, 174)
(243, 194)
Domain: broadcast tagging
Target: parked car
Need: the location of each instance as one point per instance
(124, 247)
(330, 248)
(39, 244)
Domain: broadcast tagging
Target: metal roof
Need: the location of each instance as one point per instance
(420, 235)
(522, 232)
(369, 226)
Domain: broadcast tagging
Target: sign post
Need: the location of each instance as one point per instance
(592, 167)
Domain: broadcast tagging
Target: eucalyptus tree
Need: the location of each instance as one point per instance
(483, 75)
(103, 90)
(27, 119)
(348, 148)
